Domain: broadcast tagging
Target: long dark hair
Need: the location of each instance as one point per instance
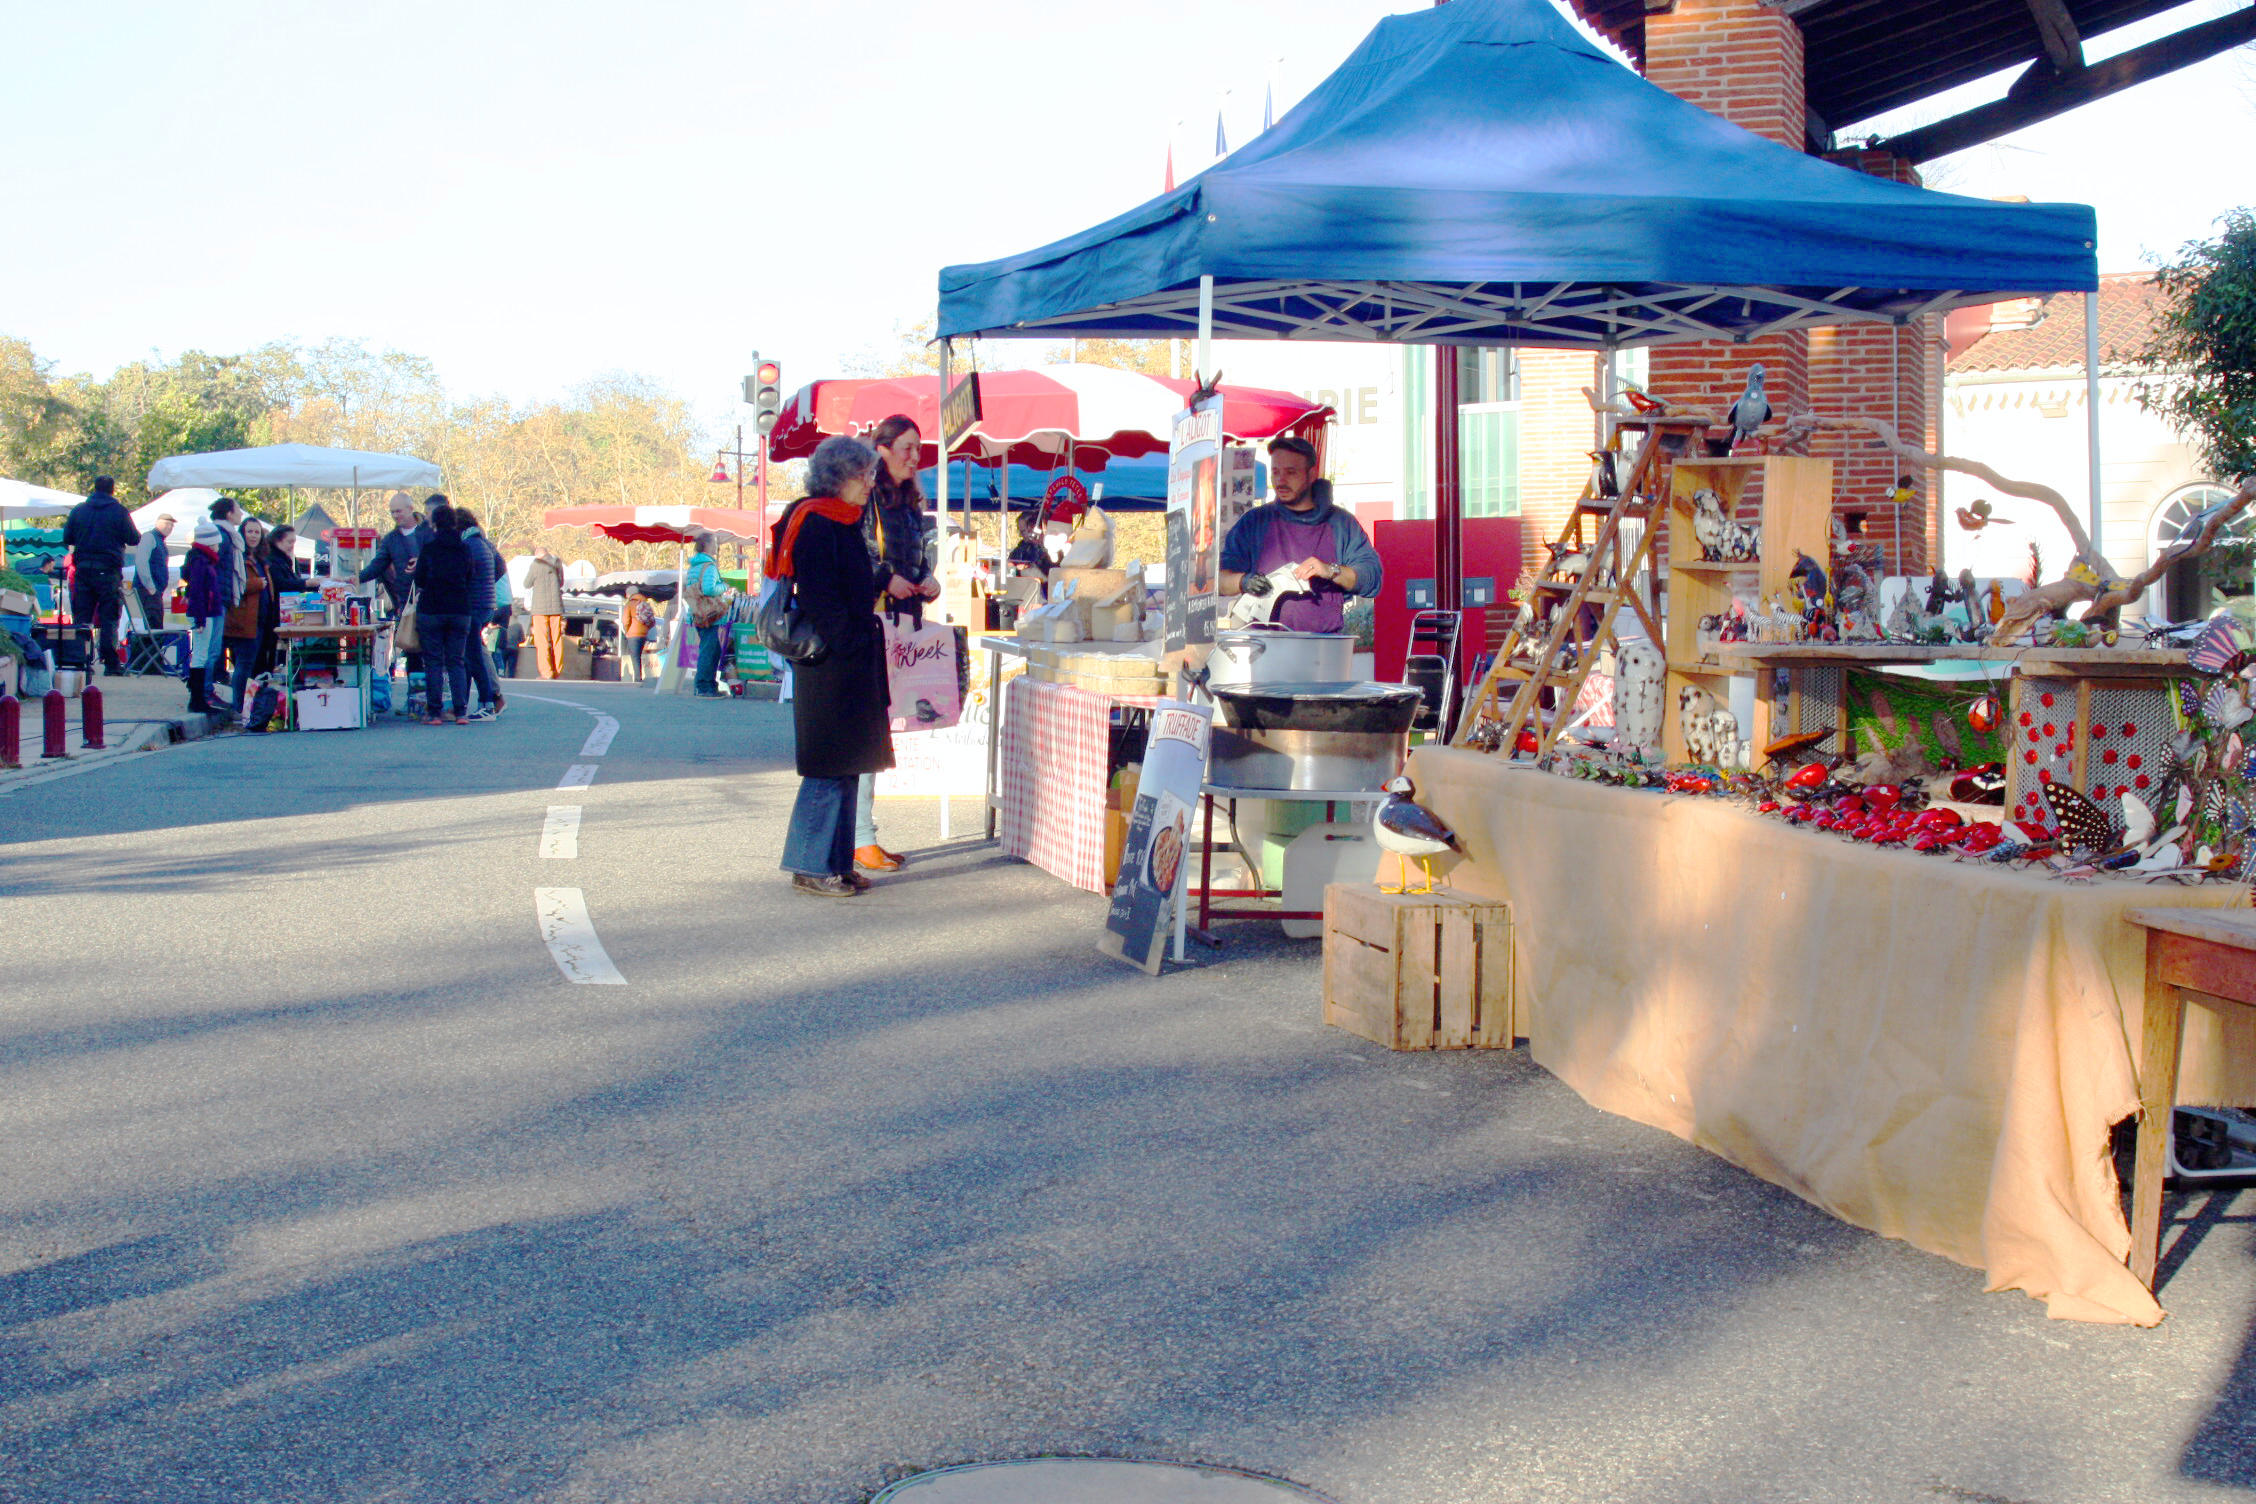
(886, 491)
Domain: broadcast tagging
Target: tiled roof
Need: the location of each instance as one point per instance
(2128, 302)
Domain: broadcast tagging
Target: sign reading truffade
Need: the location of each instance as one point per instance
(1155, 859)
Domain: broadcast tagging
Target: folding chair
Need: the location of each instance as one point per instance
(148, 651)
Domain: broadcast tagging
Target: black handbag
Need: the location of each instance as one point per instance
(785, 630)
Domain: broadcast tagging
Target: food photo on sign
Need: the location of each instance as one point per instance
(1148, 896)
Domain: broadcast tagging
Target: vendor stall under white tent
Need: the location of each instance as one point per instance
(277, 466)
(22, 499)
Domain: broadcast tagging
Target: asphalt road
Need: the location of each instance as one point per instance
(321, 1183)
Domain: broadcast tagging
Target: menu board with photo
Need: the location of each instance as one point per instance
(1194, 524)
(1156, 857)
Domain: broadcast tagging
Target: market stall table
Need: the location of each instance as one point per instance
(2214, 957)
(1932, 1049)
(1053, 762)
(354, 649)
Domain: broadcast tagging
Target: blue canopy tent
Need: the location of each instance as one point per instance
(1478, 173)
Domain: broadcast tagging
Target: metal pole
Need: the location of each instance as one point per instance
(760, 496)
(2091, 412)
(940, 439)
(1203, 368)
(1449, 541)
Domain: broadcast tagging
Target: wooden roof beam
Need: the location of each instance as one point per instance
(2063, 44)
(2046, 92)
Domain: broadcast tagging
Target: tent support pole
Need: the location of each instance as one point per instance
(1449, 539)
(1203, 368)
(947, 349)
(2091, 411)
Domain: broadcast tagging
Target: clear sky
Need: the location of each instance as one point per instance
(535, 194)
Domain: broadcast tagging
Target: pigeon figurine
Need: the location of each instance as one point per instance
(1408, 829)
(1751, 411)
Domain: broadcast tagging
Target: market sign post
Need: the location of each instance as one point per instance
(1148, 896)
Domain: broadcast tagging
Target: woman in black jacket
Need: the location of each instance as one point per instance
(279, 569)
(838, 703)
(443, 575)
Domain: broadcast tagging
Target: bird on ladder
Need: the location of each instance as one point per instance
(1408, 829)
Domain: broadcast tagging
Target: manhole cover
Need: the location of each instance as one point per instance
(1093, 1480)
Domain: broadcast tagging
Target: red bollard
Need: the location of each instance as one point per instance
(90, 715)
(55, 733)
(11, 731)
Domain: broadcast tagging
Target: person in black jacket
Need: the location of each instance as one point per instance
(838, 703)
(443, 577)
(97, 533)
(277, 564)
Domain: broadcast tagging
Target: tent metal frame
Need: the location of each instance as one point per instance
(1572, 314)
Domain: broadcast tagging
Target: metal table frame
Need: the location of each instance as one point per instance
(1208, 793)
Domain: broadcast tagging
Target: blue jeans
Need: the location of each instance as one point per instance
(865, 812)
(445, 638)
(821, 839)
(709, 659)
(244, 652)
(481, 666)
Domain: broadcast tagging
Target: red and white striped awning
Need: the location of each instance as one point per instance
(662, 524)
(1035, 415)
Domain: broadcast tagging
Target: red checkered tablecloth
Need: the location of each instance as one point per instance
(1052, 759)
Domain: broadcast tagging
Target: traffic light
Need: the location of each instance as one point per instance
(764, 390)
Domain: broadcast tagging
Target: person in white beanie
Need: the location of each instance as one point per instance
(206, 574)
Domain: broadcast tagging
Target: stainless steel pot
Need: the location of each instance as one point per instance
(1331, 761)
(1385, 708)
(1278, 657)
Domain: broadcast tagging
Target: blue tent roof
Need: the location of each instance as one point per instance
(1478, 173)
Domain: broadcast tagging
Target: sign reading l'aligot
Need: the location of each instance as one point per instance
(1155, 860)
(959, 410)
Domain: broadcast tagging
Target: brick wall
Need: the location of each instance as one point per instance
(1556, 433)
(1875, 371)
(1740, 59)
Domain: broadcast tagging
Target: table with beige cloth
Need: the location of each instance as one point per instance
(1932, 1049)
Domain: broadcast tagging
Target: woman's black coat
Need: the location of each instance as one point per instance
(839, 705)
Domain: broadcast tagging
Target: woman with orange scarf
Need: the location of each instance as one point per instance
(838, 703)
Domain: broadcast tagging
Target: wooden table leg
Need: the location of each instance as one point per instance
(2163, 1037)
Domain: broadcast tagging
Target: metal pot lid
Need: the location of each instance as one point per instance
(1371, 690)
(1273, 634)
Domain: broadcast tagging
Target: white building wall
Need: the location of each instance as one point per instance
(2031, 426)
(1364, 382)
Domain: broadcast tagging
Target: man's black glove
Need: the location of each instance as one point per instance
(1257, 585)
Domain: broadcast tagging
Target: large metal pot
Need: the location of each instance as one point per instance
(1279, 657)
(1318, 761)
(1386, 709)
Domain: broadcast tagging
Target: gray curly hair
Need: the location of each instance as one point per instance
(838, 460)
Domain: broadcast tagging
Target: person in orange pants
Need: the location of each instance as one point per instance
(544, 588)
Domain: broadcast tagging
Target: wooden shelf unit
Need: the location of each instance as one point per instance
(1796, 508)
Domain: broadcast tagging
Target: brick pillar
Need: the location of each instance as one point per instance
(1878, 371)
(1742, 60)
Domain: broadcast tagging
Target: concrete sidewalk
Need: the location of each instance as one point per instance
(140, 713)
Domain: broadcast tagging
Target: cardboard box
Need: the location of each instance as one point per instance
(1418, 971)
(328, 709)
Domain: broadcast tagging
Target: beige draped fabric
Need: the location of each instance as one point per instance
(1929, 1048)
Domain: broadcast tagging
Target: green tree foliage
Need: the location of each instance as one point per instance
(2202, 359)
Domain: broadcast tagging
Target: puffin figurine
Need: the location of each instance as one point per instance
(1409, 829)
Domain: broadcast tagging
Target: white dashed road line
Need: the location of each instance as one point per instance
(578, 776)
(560, 833)
(599, 740)
(571, 939)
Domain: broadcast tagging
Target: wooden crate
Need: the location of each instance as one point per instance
(1418, 971)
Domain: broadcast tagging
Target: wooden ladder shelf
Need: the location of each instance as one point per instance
(1569, 619)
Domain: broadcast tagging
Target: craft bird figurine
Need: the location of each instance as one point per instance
(1752, 409)
(1978, 516)
(1408, 829)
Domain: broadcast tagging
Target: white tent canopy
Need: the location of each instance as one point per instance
(184, 506)
(19, 498)
(279, 465)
